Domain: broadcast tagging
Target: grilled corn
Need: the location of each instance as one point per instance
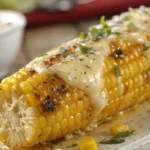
(47, 99)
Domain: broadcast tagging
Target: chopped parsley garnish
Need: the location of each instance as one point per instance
(83, 35)
(95, 34)
(126, 18)
(117, 70)
(105, 27)
(119, 138)
(75, 144)
(98, 33)
(124, 134)
(62, 50)
(42, 55)
(85, 49)
(131, 26)
(145, 47)
(112, 141)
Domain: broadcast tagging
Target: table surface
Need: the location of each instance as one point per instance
(39, 40)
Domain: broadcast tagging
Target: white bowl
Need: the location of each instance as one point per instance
(12, 25)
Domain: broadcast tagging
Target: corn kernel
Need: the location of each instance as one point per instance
(42, 122)
(50, 120)
(88, 143)
(26, 87)
(63, 124)
(59, 116)
(118, 128)
(55, 130)
(46, 131)
(32, 100)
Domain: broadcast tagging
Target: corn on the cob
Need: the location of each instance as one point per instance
(36, 108)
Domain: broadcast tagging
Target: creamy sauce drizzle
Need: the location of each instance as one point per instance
(84, 72)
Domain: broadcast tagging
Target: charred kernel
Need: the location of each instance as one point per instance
(48, 105)
(31, 70)
(62, 88)
(118, 54)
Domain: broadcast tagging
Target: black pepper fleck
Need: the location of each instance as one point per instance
(88, 66)
(118, 54)
(53, 80)
(81, 59)
(48, 105)
(52, 89)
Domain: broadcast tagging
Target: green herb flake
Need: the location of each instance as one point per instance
(145, 47)
(105, 27)
(117, 70)
(112, 141)
(119, 138)
(51, 148)
(62, 50)
(103, 22)
(98, 33)
(131, 26)
(84, 49)
(42, 55)
(124, 134)
(83, 35)
(74, 145)
(126, 18)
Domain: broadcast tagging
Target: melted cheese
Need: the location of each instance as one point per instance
(86, 75)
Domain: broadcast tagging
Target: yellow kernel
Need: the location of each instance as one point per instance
(63, 124)
(42, 122)
(88, 143)
(26, 87)
(50, 120)
(66, 112)
(78, 118)
(46, 131)
(86, 102)
(59, 116)
(80, 106)
(55, 130)
(32, 81)
(118, 128)
(32, 100)
(70, 124)
(73, 109)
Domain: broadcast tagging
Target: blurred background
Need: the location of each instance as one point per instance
(52, 22)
